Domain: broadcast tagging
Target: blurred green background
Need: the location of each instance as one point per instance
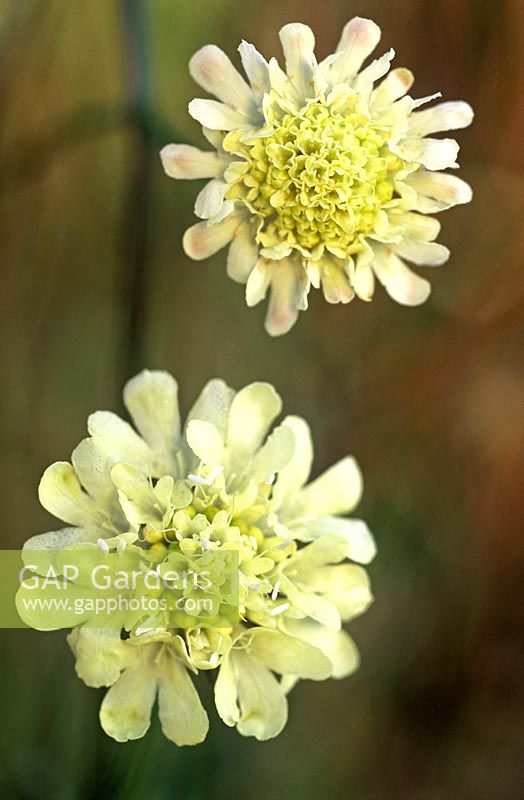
(95, 286)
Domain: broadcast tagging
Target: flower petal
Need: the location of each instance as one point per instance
(242, 255)
(125, 712)
(213, 405)
(289, 287)
(256, 68)
(359, 39)
(60, 493)
(100, 655)
(418, 252)
(298, 44)
(184, 162)
(399, 281)
(274, 454)
(289, 656)
(213, 71)
(336, 491)
(335, 284)
(57, 540)
(258, 281)
(447, 190)
(444, 117)
(338, 646)
(210, 199)
(206, 442)
(296, 472)
(433, 154)
(253, 410)
(182, 716)
(361, 545)
(205, 239)
(375, 71)
(418, 226)
(393, 87)
(217, 116)
(263, 706)
(151, 397)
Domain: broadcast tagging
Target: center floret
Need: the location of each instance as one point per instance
(317, 180)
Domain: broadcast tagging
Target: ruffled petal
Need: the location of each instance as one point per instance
(361, 545)
(210, 200)
(213, 405)
(338, 646)
(256, 68)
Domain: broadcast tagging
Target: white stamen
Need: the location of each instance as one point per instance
(122, 544)
(103, 545)
(215, 472)
(279, 609)
(198, 479)
(284, 544)
(140, 631)
(206, 544)
(253, 542)
(213, 659)
(270, 479)
(274, 593)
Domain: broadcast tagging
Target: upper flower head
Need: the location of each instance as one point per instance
(173, 496)
(319, 177)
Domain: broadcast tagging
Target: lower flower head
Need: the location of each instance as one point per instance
(194, 501)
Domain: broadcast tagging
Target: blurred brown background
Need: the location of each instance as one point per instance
(95, 286)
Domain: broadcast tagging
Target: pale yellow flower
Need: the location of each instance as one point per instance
(219, 485)
(323, 174)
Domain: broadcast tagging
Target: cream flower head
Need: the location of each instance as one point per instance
(218, 485)
(319, 176)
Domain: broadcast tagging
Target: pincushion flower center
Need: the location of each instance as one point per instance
(319, 179)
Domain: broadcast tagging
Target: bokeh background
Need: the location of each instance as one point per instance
(95, 286)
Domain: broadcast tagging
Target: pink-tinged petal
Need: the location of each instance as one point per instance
(335, 284)
(444, 117)
(214, 72)
(393, 87)
(298, 44)
(204, 240)
(185, 162)
(289, 287)
(447, 190)
(399, 281)
(359, 39)
(217, 116)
